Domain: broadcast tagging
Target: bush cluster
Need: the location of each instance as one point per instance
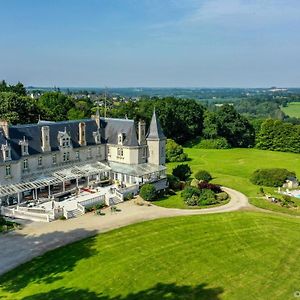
(271, 177)
(217, 143)
(209, 186)
(195, 196)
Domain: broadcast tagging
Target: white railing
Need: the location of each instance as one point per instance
(95, 200)
(119, 195)
(15, 213)
(31, 209)
(81, 208)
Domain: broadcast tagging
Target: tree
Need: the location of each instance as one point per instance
(55, 106)
(183, 172)
(226, 122)
(174, 152)
(203, 175)
(148, 192)
(180, 119)
(17, 109)
(279, 136)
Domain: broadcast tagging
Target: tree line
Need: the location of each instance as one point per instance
(183, 120)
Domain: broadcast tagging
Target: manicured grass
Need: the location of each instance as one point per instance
(239, 255)
(292, 110)
(233, 168)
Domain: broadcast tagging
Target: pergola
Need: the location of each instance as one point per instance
(55, 177)
(139, 170)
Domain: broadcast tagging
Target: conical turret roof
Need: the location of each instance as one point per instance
(155, 131)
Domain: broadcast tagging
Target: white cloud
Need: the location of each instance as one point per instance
(233, 13)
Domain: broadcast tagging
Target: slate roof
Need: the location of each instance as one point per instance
(109, 130)
(155, 131)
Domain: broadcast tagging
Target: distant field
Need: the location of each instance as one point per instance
(233, 168)
(234, 256)
(292, 110)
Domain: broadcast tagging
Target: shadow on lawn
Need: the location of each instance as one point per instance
(50, 266)
(159, 292)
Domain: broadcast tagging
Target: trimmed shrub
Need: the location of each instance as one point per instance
(271, 177)
(203, 175)
(174, 152)
(183, 172)
(148, 192)
(218, 143)
(174, 182)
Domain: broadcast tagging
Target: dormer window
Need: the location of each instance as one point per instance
(64, 139)
(6, 151)
(121, 138)
(97, 137)
(24, 146)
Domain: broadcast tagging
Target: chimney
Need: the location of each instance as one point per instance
(4, 125)
(46, 139)
(82, 138)
(142, 132)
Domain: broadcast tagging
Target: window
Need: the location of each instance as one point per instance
(121, 138)
(8, 170)
(40, 160)
(77, 156)
(144, 152)
(65, 142)
(66, 156)
(25, 164)
(120, 152)
(24, 146)
(25, 149)
(54, 160)
(6, 151)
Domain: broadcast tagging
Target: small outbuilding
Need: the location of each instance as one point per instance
(291, 183)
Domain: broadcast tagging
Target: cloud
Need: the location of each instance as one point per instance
(244, 11)
(232, 13)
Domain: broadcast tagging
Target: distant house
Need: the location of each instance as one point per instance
(291, 183)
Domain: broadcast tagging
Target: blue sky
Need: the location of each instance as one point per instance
(173, 43)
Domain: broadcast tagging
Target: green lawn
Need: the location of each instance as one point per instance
(233, 168)
(239, 255)
(292, 110)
